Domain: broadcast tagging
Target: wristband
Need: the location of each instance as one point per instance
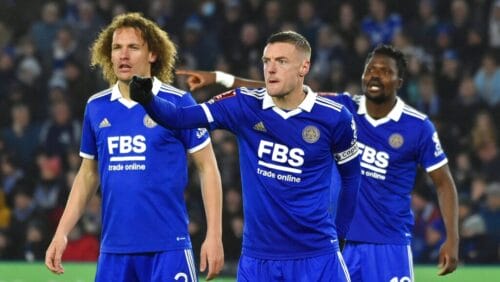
(224, 79)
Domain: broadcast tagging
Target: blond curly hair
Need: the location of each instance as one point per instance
(158, 41)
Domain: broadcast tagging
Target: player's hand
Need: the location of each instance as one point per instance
(54, 254)
(212, 254)
(197, 79)
(140, 89)
(448, 257)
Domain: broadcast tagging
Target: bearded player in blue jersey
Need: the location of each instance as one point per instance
(394, 139)
(289, 140)
(141, 167)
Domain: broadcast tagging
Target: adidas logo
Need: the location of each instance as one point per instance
(260, 127)
(104, 123)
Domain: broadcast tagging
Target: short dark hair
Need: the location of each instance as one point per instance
(291, 37)
(390, 51)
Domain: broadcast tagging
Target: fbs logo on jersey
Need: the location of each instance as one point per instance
(104, 123)
(260, 127)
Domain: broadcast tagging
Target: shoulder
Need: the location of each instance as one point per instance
(100, 96)
(414, 114)
(344, 98)
(323, 101)
(169, 90)
(255, 93)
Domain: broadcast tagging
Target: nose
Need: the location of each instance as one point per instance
(124, 53)
(270, 67)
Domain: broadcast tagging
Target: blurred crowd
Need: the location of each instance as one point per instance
(453, 50)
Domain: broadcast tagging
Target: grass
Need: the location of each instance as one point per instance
(84, 272)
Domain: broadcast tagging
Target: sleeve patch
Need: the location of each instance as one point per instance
(222, 96)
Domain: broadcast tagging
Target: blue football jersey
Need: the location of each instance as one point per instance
(143, 171)
(286, 160)
(391, 149)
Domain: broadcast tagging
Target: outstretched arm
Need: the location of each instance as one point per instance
(164, 112)
(199, 79)
(448, 203)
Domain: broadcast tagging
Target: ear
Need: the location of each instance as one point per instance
(400, 83)
(152, 57)
(304, 68)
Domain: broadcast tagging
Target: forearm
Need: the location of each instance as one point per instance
(84, 187)
(350, 174)
(448, 200)
(212, 201)
(448, 204)
(169, 115)
(211, 189)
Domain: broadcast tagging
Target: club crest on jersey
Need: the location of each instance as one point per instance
(310, 134)
(149, 122)
(222, 96)
(396, 140)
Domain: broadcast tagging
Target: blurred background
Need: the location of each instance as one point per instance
(453, 49)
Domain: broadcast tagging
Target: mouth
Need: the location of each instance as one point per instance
(374, 86)
(272, 81)
(124, 67)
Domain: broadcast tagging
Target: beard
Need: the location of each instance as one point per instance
(377, 99)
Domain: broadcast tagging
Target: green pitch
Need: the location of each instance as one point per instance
(84, 272)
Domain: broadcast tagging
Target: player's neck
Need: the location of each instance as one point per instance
(380, 110)
(290, 101)
(124, 89)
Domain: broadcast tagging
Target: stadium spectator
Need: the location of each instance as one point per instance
(347, 25)
(21, 137)
(308, 22)
(60, 131)
(426, 213)
(5, 212)
(11, 173)
(24, 212)
(5, 245)
(380, 25)
(36, 241)
(233, 221)
(464, 108)
(429, 102)
(487, 80)
(44, 31)
(494, 24)
(476, 246)
(491, 212)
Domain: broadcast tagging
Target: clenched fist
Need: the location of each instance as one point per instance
(140, 89)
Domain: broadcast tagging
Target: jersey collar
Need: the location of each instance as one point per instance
(306, 105)
(394, 114)
(117, 95)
